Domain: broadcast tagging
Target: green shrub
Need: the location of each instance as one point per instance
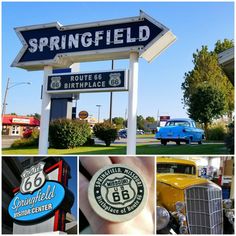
(216, 132)
(119, 126)
(105, 132)
(35, 134)
(229, 138)
(65, 133)
(32, 141)
(89, 142)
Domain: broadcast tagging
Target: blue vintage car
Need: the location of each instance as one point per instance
(180, 130)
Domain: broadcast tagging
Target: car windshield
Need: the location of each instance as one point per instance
(177, 123)
(175, 168)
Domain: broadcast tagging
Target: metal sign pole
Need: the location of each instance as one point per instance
(132, 104)
(45, 114)
(111, 96)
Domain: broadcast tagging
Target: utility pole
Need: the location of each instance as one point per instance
(99, 106)
(5, 98)
(6, 92)
(158, 118)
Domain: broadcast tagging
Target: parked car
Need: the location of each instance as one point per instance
(180, 130)
(140, 131)
(122, 133)
(27, 133)
(187, 204)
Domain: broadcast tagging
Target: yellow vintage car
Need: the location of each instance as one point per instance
(186, 204)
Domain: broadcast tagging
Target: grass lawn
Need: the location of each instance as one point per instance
(121, 149)
(145, 135)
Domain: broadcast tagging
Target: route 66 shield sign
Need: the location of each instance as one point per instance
(119, 190)
(115, 80)
(32, 178)
(55, 82)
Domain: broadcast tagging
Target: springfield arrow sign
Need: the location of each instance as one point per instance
(60, 46)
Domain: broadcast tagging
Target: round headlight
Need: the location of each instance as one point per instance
(228, 203)
(183, 229)
(179, 206)
(229, 214)
(181, 217)
(163, 217)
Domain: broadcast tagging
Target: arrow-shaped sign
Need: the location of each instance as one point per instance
(60, 46)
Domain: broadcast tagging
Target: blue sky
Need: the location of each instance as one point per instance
(194, 24)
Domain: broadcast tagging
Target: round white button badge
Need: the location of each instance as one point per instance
(117, 193)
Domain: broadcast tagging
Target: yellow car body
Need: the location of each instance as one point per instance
(176, 187)
(170, 186)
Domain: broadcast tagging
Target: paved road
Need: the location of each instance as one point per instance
(148, 141)
(8, 140)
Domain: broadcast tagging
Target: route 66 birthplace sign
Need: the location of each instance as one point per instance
(114, 80)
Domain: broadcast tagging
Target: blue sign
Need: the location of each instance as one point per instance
(115, 80)
(30, 207)
(63, 70)
(54, 44)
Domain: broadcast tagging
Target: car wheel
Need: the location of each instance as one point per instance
(164, 142)
(199, 142)
(178, 142)
(188, 141)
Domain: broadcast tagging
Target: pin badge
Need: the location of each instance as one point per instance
(117, 193)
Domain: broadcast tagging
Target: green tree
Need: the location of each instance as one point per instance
(229, 139)
(140, 122)
(35, 115)
(118, 121)
(206, 104)
(207, 71)
(222, 46)
(150, 119)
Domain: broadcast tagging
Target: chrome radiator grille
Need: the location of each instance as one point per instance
(204, 210)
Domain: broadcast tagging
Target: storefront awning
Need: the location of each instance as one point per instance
(20, 120)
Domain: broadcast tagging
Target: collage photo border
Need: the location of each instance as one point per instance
(97, 156)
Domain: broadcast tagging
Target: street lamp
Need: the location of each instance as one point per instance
(99, 106)
(6, 92)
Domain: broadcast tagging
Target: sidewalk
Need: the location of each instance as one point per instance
(8, 140)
